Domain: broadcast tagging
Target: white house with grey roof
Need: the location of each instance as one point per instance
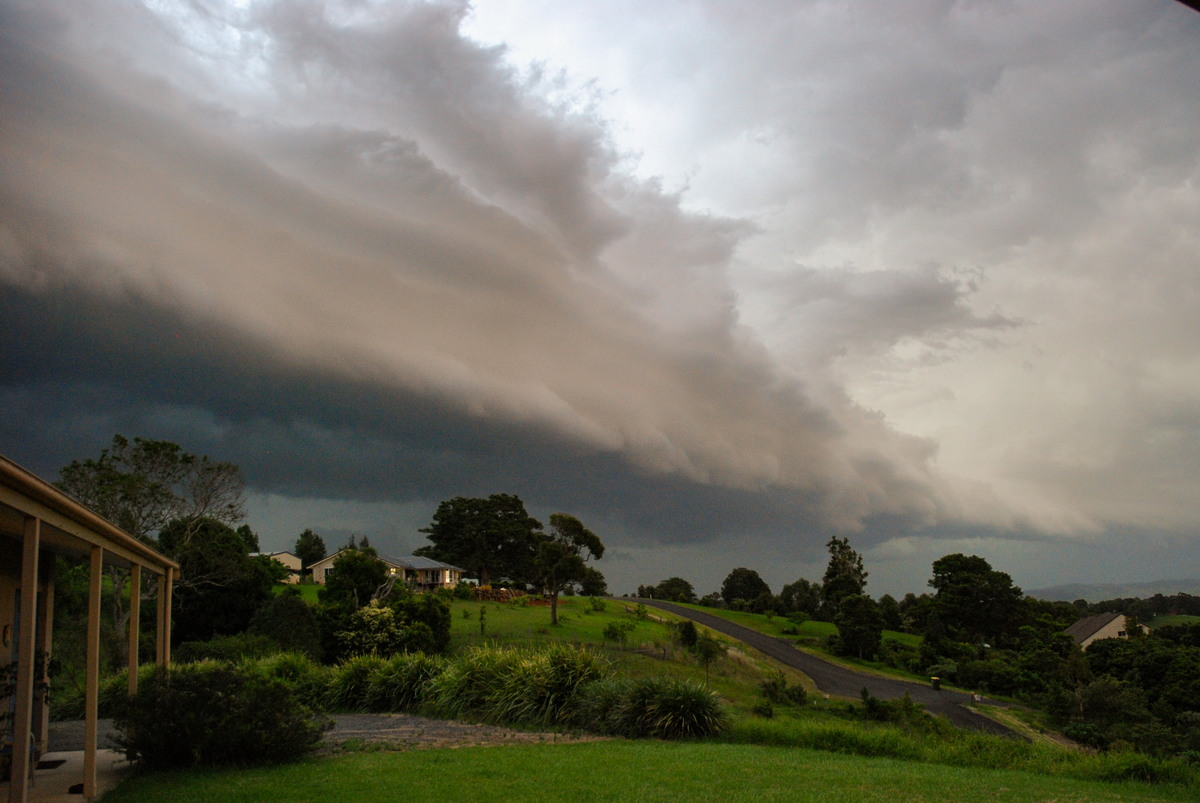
(416, 572)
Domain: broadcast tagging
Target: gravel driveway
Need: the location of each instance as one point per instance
(841, 682)
(398, 730)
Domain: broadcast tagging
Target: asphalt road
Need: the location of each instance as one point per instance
(841, 682)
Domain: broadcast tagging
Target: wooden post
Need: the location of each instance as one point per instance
(18, 789)
(41, 712)
(135, 624)
(92, 687)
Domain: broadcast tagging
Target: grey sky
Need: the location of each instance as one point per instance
(723, 279)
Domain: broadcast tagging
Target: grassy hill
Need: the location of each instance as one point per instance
(821, 749)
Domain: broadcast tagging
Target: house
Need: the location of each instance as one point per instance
(1101, 626)
(418, 573)
(291, 562)
(37, 523)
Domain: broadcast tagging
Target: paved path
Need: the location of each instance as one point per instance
(841, 682)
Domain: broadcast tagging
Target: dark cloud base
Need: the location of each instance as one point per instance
(79, 368)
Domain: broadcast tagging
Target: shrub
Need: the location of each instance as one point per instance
(305, 677)
(289, 621)
(225, 648)
(349, 681)
(213, 713)
(648, 707)
(777, 690)
(400, 683)
(597, 605)
(512, 685)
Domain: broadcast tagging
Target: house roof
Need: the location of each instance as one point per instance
(405, 562)
(1089, 626)
(419, 562)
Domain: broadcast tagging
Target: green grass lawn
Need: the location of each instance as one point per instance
(625, 771)
(648, 649)
(308, 591)
(1163, 621)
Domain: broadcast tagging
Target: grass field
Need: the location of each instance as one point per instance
(625, 771)
(1163, 621)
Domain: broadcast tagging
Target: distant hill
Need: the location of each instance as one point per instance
(1095, 592)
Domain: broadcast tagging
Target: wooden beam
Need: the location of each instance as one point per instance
(92, 688)
(18, 789)
(166, 654)
(135, 624)
(45, 645)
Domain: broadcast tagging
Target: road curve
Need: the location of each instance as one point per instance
(841, 682)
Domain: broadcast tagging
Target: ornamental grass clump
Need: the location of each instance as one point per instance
(215, 713)
(541, 685)
(400, 684)
(349, 682)
(659, 708)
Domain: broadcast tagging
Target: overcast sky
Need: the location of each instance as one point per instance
(723, 279)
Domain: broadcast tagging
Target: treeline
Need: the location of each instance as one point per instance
(1145, 609)
(980, 632)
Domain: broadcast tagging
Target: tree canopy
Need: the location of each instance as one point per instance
(844, 577)
(745, 585)
(561, 556)
(310, 548)
(974, 602)
(142, 485)
(490, 538)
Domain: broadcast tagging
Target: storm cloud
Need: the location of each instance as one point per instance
(722, 287)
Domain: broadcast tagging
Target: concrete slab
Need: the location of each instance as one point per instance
(54, 783)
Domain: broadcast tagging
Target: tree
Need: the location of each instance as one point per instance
(744, 585)
(562, 555)
(143, 485)
(225, 586)
(487, 537)
(593, 584)
(860, 627)
(310, 548)
(801, 596)
(356, 577)
(889, 609)
(674, 589)
(249, 538)
(289, 621)
(844, 576)
(974, 602)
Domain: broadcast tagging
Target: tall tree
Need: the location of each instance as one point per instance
(490, 538)
(310, 548)
(561, 556)
(224, 587)
(143, 485)
(844, 577)
(860, 627)
(974, 602)
(745, 585)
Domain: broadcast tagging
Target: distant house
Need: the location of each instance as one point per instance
(419, 574)
(290, 561)
(1101, 626)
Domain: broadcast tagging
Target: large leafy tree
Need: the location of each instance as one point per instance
(561, 556)
(860, 627)
(490, 538)
(674, 589)
(801, 596)
(844, 577)
(356, 578)
(310, 548)
(974, 602)
(142, 485)
(225, 585)
(745, 585)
